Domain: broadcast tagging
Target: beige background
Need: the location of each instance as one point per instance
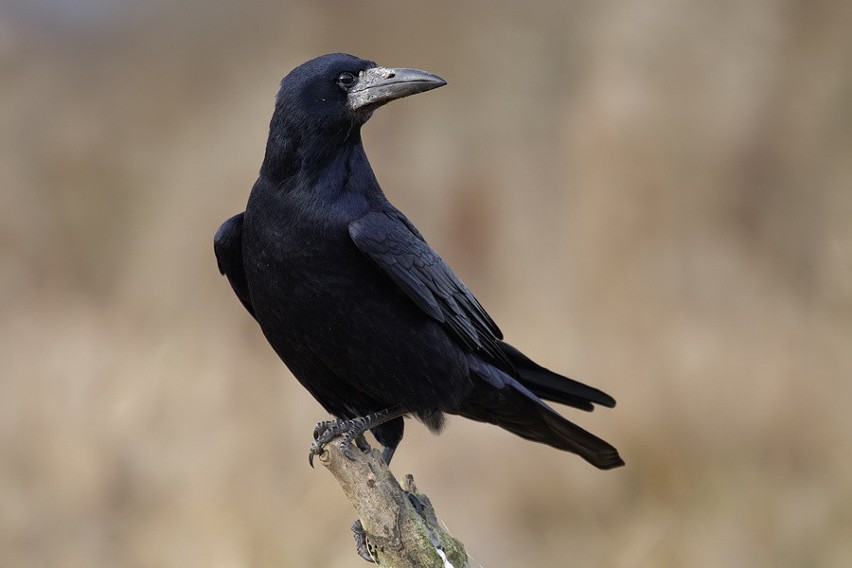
(652, 196)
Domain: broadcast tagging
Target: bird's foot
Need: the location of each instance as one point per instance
(362, 546)
(415, 502)
(421, 504)
(351, 430)
(327, 430)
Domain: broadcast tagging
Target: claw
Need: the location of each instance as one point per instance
(314, 450)
(362, 547)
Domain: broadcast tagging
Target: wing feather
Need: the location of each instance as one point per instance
(390, 240)
(228, 246)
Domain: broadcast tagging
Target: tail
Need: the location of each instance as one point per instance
(499, 399)
(554, 387)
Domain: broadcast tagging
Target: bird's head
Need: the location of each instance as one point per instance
(335, 92)
(323, 103)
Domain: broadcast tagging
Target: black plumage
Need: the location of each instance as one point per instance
(352, 298)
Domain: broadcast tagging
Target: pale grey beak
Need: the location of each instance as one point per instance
(379, 85)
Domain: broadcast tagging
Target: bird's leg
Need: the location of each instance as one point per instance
(387, 454)
(351, 430)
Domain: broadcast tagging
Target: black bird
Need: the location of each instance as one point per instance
(351, 296)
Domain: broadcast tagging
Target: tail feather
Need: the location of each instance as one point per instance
(501, 400)
(552, 386)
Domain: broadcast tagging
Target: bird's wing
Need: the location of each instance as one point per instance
(227, 244)
(552, 386)
(393, 243)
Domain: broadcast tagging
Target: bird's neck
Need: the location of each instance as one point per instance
(324, 166)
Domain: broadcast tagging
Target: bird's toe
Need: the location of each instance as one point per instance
(362, 546)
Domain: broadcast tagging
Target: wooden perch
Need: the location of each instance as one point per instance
(400, 526)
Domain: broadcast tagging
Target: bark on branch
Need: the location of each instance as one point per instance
(400, 525)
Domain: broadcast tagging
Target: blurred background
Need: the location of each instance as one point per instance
(651, 196)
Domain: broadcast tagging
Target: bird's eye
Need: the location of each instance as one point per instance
(346, 79)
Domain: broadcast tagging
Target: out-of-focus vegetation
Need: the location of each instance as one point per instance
(652, 196)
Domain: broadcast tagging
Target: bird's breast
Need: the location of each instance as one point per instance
(319, 299)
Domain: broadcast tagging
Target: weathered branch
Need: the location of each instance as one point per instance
(400, 526)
